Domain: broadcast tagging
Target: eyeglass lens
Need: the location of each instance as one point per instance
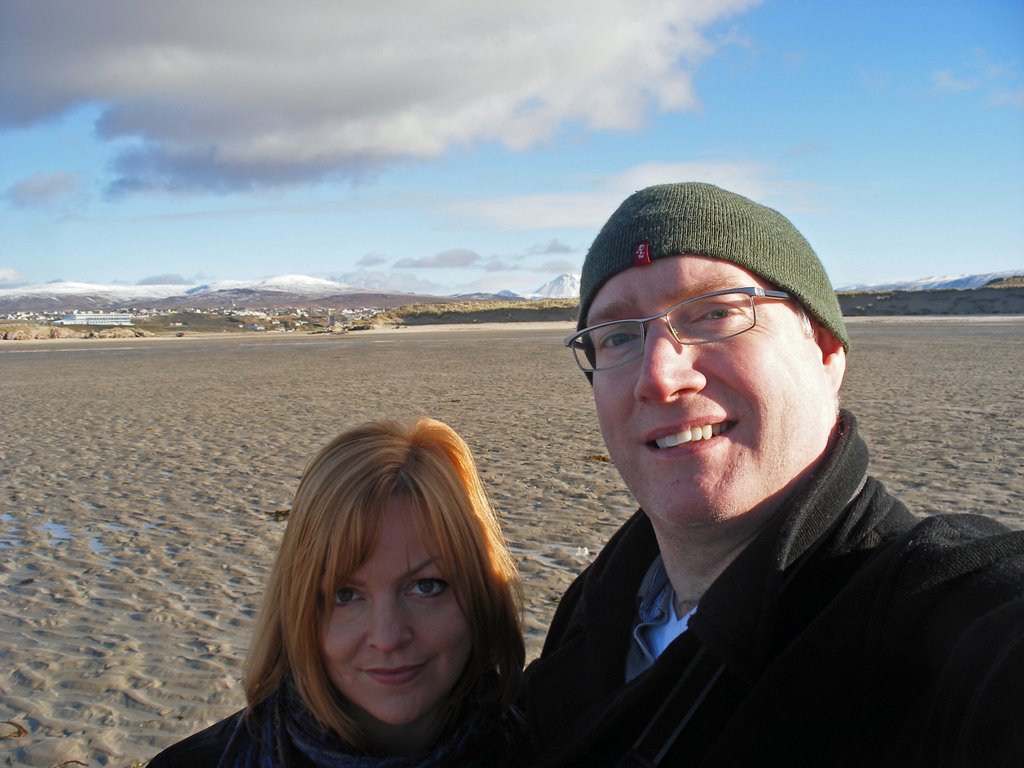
(697, 321)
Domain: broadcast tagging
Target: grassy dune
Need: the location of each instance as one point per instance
(1006, 299)
(480, 312)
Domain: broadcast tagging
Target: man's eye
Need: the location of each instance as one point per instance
(616, 337)
(707, 313)
(429, 587)
(344, 596)
(718, 313)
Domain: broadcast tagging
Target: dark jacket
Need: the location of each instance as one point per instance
(492, 741)
(200, 750)
(847, 634)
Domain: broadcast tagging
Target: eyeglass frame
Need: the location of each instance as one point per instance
(752, 292)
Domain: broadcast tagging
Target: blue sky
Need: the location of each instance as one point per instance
(454, 146)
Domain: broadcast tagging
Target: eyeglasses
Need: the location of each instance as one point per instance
(700, 320)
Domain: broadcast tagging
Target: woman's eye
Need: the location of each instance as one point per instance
(344, 596)
(429, 587)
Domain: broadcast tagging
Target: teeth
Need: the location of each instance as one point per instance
(704, 432)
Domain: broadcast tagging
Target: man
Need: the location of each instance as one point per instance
(770, 603)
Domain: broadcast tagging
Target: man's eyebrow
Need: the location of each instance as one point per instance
(616, 310)
(625, 310)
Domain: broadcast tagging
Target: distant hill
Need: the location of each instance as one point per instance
(302, 291)
(940, 283)
(963, 301)
(276, 292)
(993, 293)
(463, 312)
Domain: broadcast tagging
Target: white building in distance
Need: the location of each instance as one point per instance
(96, 318)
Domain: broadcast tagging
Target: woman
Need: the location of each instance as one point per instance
(390, 631)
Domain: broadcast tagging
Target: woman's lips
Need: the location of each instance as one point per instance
(394, 675)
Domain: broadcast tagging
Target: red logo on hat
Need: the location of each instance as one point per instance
(642, 253)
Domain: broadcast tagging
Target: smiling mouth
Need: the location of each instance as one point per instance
(693, 434)
(394, 675)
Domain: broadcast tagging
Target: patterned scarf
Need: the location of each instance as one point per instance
(282, 733)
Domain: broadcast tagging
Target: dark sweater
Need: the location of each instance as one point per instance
(847, 634)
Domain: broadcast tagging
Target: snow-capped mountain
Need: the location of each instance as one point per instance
(296, 284)
(94, 291)
(300, 290)
(936, 283)
(565, 286)
(284, 290)
(299, 284)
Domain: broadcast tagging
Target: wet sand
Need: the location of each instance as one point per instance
(139, 480)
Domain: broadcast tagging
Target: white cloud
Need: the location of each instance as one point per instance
(559, 266)
(372, 259)
(541, 211)
(164, 279)
(42, 189)
(1007, 98)
(945, 81)
(551, 247)
(452, 259)
(10, 277)
(391, 281)
(589, 210)
(227, 95)
(1000, 83)
(752, 180)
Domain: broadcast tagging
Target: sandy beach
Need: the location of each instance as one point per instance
(140, 480)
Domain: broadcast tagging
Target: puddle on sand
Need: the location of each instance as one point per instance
(58, 531)
(98, 546)
(7, 538)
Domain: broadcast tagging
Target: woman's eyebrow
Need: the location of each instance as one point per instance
(412, 570)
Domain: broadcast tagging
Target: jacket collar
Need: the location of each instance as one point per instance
(737, 617)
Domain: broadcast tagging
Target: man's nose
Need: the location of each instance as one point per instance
(667, 367)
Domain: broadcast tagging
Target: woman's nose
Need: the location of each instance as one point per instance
(390, 627)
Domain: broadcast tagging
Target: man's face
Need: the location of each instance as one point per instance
(767, 399)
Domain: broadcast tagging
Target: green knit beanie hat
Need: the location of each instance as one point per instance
(702, 219)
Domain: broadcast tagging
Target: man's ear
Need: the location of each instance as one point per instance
(833, 355)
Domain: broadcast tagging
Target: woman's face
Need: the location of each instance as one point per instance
(395, 640)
